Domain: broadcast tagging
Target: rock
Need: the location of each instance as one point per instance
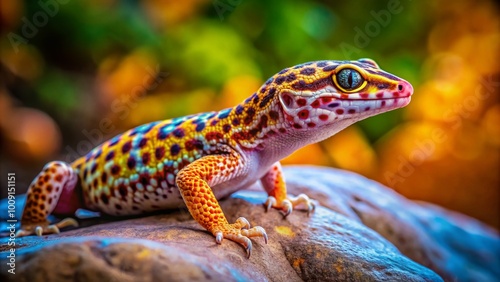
(455, 246)
(344, 240)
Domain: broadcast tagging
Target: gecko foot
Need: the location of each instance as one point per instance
(240, 232)
(41, 228)
(289, 203)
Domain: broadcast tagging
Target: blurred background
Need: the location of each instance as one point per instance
(75, 73)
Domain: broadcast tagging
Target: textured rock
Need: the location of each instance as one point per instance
(344, 240)
(455, 246)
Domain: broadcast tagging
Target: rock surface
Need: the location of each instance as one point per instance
(361, 232)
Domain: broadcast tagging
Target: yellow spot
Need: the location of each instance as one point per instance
(338, 267)
(285, 231)
(143, 254)
(298, 262)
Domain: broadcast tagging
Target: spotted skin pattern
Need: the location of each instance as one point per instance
(198, 159)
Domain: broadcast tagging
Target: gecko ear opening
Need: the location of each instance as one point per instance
(286, 100)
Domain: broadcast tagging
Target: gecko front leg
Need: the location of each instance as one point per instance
(275, 186)
(195, 181)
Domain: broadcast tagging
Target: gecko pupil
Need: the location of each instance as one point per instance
(349, 79)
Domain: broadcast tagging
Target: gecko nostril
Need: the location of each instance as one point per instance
(400, 87)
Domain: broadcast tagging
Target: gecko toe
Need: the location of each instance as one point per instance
(240, 232)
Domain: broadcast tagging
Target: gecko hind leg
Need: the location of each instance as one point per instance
(55, 182)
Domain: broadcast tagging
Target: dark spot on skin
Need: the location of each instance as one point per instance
(194, 144)
(93, 169)
(115, 169)
(200, 126)
(175, 149)
(279, 80)
(122, 190)
(43, 197)
(253, 131)
(351, 111)
(131, 163)
(269, 81)
(322, 64)
(311, 124)
(110, 155)
(104, 177)
(58, 178)
(333, 105)
(104, 199)
(94, 183)
(239, 109)
(382, 103)
(178, 132)
(383, 86)
(323, 117)
(118, 207)
(291, 77)
(326, 100)
(85, 173)
(269, 96)
(301, 102)
(143, 142)
(251, 111)
(308, 71)
(236, 122)
(132, 132)
(329, 68)
(274, 115)
(50, 201)
(42, 206)
(135, 208)
(256, 99)
(263, 121)
(46, 178)
(263, 89)
(145, 158)
(367, 108)
(49, 188)
(159, 153)
(144, 180)
(146, 196)
(214, 122)
(339, 111)
(303, 114)
(214, 136)
(164, 196)
(296, 125)
(37, 196)
(226, 128)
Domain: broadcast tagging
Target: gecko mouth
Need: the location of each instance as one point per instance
(343, 107)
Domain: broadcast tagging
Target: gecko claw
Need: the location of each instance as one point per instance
(39, 231)
(240, 232)
(218, 237)
(270, 202)
(41, 228)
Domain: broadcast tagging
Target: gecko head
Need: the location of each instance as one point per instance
(326, 93)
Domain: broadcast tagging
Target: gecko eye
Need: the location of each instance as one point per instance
(349, 79)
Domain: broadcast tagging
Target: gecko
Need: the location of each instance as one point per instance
(196, 160)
